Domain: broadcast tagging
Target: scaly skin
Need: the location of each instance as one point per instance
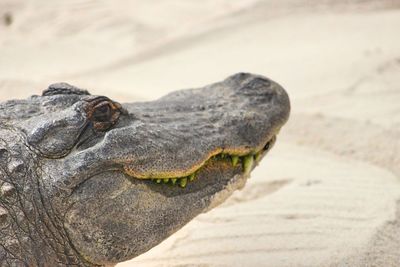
(86, 181)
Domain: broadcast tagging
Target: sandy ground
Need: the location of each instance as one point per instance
(329, 192)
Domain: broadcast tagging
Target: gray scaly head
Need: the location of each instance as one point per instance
(88, 181)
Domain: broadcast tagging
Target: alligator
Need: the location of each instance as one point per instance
(86, 181)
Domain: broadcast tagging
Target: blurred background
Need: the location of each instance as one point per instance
(331, 183)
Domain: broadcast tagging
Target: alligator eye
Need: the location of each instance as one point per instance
(102, 113)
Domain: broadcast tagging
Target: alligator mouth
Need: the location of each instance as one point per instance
(245, 161)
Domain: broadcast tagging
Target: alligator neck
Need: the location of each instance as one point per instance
(30, 233)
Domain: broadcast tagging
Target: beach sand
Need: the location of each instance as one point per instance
(328, 194)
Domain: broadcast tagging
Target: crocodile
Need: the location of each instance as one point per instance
(87, 181)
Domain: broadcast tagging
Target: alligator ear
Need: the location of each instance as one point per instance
(63, 89)
(54, 134)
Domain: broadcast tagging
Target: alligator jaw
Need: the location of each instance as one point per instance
(246, 162)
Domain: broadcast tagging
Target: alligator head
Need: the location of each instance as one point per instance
(109, 181)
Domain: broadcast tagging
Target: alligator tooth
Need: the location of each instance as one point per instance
(248, 162)
(183, 182)
(191, 177)
(235, 160)
(173, 180)
(166, 180)
(257, 156)
(158, 181)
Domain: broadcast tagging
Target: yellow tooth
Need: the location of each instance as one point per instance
(191, 177)
(166, 180)
(235, 160)
(248, 162)
(158, 181)
(183, 182)
(173, 180)
(257, 156)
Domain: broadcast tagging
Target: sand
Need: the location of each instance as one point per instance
(328, 194)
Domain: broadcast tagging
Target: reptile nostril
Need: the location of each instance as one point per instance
(270, 143)
(267, 146)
